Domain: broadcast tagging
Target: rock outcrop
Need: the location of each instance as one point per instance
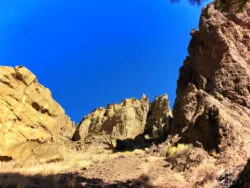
(212, 108)
(120, 121)
(213, 92)
(28, 111)
(207, 138)
(127, 120)
(159, 118)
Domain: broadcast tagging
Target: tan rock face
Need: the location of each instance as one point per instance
(158, 117)
(127, 120)
(37, 153)
(120, 121)
(212, 108)
(28, 111)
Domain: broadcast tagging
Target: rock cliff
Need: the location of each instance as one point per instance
(207, 139)
(159, 117)
(127, 120)
(124, 120)
(212, 108)
(28, 111)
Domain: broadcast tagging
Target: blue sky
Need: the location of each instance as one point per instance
(93, 52)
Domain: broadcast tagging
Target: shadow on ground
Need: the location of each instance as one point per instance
(244, 178)
(138, 143)
(12, 180)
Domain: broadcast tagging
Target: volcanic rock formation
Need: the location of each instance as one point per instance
(28, 112)
(127, 120)
(212, 108)
(159, 118)
(207, 139)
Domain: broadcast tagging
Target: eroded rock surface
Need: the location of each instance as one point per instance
(28, 112)
(212, 108)
(120, 121)
(127, 120)
(159, 118)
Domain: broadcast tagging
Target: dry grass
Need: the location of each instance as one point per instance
(66, 173)
(71, 161)
(51, 174)
(104, 165)
(204, 175)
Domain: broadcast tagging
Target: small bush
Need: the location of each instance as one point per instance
(172, 151)
(183, 157)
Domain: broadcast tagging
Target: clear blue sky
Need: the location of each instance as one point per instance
(93, 52)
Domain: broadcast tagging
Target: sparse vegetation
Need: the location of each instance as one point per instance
(230, 6)
(172, 151)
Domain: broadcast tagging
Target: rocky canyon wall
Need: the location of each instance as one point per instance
(28, 112)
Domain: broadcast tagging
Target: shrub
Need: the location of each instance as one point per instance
(172, 151)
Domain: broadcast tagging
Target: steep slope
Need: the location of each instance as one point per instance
(212, 108)
(28, 111)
